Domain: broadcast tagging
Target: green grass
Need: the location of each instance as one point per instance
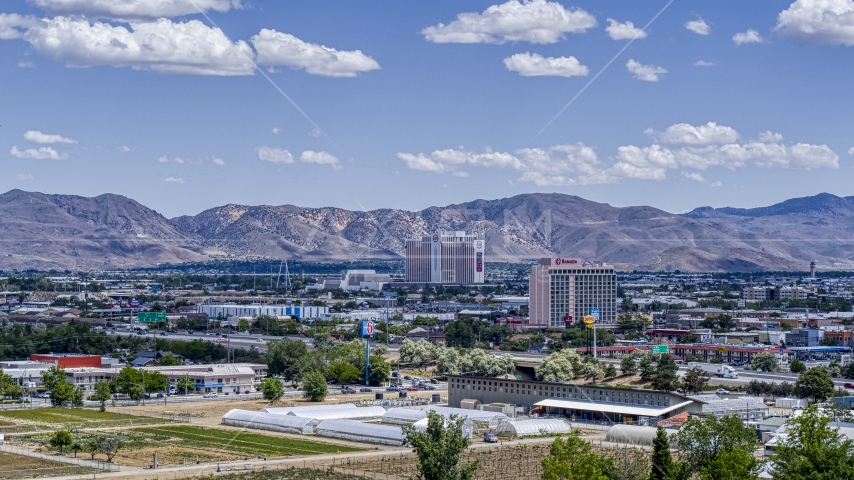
(239, 442)
(70, 415)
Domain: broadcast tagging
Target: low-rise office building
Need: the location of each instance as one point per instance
(225, 379)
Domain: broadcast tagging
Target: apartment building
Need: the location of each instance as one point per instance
(563, 290)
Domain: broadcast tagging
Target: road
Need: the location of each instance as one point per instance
(744, 376)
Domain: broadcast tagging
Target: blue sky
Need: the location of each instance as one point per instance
(428, 103)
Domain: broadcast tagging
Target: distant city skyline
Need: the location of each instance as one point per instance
(184, 105)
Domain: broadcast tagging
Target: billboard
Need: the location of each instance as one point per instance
(136, 303)
(478, 261)
(367, 328)
(595, 312)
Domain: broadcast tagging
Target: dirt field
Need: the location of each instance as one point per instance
(19, 466)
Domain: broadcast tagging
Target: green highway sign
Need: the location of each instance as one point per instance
(151, 317)
(661, 349)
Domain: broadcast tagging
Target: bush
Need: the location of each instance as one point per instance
(314, 386)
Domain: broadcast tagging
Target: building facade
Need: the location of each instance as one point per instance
(214, 311)
(223, 379)
(452, 257)
(563, 290)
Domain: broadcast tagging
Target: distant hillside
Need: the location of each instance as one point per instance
(62, 231)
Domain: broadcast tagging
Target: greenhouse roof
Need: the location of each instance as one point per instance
(404, 415)
(472, 415)
(635, 434)
(538, 426)
(743, 404)
(343, 413)
(288, 421)
(309, 408)
(349, 427)
(609, 407)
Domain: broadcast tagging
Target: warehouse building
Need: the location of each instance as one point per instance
(578, 402)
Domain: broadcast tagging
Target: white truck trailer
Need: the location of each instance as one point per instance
(715, 369)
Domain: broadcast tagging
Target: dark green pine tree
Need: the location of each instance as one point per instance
(662, 463)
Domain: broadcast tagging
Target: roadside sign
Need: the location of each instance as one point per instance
(661, 349)
(721, 349)
(367, 329)
(589, 320)
(595, 312)
(151, 317)
(389, 294)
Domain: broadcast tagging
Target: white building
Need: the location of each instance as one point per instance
(563, 290)
(452, 257)
(228, 378)
(224, 311)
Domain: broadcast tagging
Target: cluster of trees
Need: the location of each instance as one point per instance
(576, 336)
(661, 369)
(343, 362)
(782, 389)
(466, 332)
(721, 323)
(61, 392)
(7, 386)
(565, 365)
(453, 361)
(108, 446)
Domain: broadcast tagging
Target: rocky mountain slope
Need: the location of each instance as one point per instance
(53, 231)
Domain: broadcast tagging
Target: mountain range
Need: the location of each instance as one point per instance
(42, 231)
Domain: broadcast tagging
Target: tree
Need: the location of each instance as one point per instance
(110, 446)
(797, 366)
(5, 383)
(52, 376)
(646, 368)
(626, 463)
(343, 372)
(168, 361)
(62, 393)
(664, 380)
(61, 439)
(185, 384)
(610, 371)
(563, 365)
(380, 370)
(701, 441)
(91, 447)
(732, 465)
(765, 362)
(695, 379)
(662, 463)
(572, 458)
(815, 383)
(591, 371)
(285, 356)
(439, 448)
(628, 365)
(242, 325)
(813, 450)
(272, 389)
(314, 386)
(666, 362)
(102, 394)
(76, 447)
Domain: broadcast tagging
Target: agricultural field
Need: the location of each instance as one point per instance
(81, 417)
(185, 444)
(291, 474)
(20, 466)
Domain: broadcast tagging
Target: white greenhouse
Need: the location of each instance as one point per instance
(533, 427)
(404, 416)
(360, 432)
(302, 411)
(493, 419)
(633, 434)
(268, 421)
(373, 413)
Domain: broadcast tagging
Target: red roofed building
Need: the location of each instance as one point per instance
(68, 361)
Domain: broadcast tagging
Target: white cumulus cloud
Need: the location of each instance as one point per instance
(647, 73)
(123, 149)
(13, 25)
(24, 176)
(274, 155)
(38, 137)
(218, 161)
(26, 65)
(819, 22)
(320, 158)
(750, 36)
(535, 65)
(851, 151)
(123, 9)
(161, 45)
(283, 49)
(686, 134)
(769, 136)
(698, 26)
(276, 130)
(43, 153)
(163, 159)
(315, 132)
(623, 31)
(694, 176)
(534, 21)
(703, 63)
(173, 180)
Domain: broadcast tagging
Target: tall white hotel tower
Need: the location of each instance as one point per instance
(452, 257)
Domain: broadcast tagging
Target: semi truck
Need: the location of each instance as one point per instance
(715, 369)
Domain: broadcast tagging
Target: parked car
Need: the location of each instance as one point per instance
(722, 391)
(849, 386)
(407, 377)
(490, 437)
(159, 394)
(347, 390)
(413, 389)
(427, 387)
(366, 390)
(393, 388)
(434, 381)
(209, 395)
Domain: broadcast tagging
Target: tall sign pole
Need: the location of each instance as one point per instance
(367, 331)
